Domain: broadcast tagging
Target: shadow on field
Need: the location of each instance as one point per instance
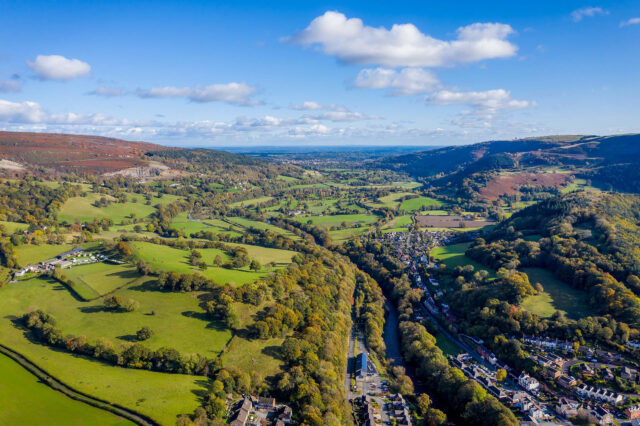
(273, 351)
(202, 391)
(214, 325)
(128, 338)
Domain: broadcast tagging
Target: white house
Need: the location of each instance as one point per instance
(527, 382)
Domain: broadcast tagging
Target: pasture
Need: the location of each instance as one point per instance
(158, 395)
(27, 401)
(453, 255)
(164, 258)
(102, 277)
(13, 227)
(29, 254)
(556, 296)
(420, 203)
(336, 220)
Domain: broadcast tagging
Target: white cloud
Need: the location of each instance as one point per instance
(56, 67)
(403, 45)
(631, 21)
(307, 106)
(107, 91)
(232, 93)
(489, 101)
(7, 86)
(587, 12)
(338, 116)
(407, 81)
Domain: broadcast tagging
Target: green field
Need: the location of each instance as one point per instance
(556, 296)
(391, 201)
(252, 354)
(101, 277)
(248, 223)
(158, 395)
(14, 226)
(419, 203)
(251, 202)
(170, 259)
(398, 224)
(336, 220)
(27, 401)
(446, 346)
(29, 254)
(453, 255)
(81, 209)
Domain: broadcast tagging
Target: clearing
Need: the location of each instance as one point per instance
(556, 296)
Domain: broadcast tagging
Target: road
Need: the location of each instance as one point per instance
(71, 393)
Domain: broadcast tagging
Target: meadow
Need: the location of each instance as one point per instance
(27, 401)
(453, 255)
(29, 254)
(556, 296)
(164, 258)
(81, 209)
(102, 277)
(338, 219)
(419, 203)
(12, 227)
(158, 395)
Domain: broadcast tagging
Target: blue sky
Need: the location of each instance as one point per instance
(319, 73)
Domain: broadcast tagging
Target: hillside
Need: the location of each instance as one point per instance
(46, 153)
(526, 169)
(61, 151)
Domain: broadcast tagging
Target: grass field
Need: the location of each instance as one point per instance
(391, 201)
(556, 296)
(248, 223)
(14, 226)
(453, 255)
(252, 354)
(158, 395)
(27, 401)
(446, 346)
(398, 224)
(171, 259)
(419, 203)
(102, 277)
(81, 209)
(28, 254)
(187, 226)
(252, 202)
(336, 220)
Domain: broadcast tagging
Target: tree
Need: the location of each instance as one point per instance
(218, 260)
(144, 333)
(255, 265)
(501, 374)
(424, 402)
(113, 302)
(131, 305)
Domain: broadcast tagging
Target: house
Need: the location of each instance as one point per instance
(242, 414)
(599, 394)
(284, 414)
(497, 392)
(586, 370)
(552, 373)
(632, 412)
(487, 354)
(567, 382)
(607, 374)
(266, 403)
(597, 415)
(536, 412)
(567, 408)
(629, 374)
(527, 382)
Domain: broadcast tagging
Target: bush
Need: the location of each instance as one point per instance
(144, 333)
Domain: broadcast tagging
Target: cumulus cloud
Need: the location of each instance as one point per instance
(407, 81)
(489, 101)
(587, 12)
(56, 67)
(403, 45)
(338, 116)
(631, 21)
(7, 86)
(232, 93)
(107, 91)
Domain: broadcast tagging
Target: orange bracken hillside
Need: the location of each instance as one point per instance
(60, 151)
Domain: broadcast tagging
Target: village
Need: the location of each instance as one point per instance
(575, 382)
